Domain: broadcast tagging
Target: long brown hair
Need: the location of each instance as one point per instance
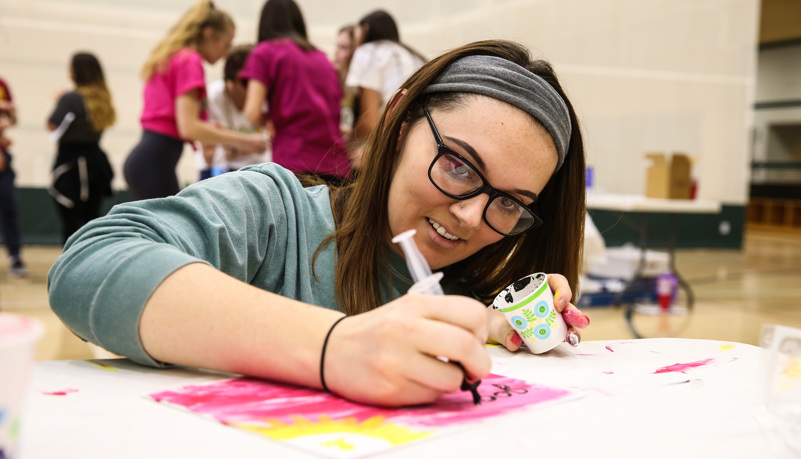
(187, 32)
(90, 83)
(360, 209)
(283, 19)
(382, 26)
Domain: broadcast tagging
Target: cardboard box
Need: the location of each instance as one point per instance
(668, 179)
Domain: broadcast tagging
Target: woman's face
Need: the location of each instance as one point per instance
(515, 155)
(216, 44)
(343, 51)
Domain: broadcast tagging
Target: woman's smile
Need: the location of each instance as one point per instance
(442, 231)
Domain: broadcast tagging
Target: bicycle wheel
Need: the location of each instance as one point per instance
(647, 319)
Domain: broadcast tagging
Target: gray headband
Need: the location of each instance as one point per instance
(504, 80)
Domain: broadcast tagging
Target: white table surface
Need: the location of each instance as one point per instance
(627, 410)
(640, 203)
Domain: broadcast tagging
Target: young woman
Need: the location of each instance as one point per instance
(173, 99)
(82, 174)
(9, 205)
(345, 45)
(379, 66)
(302, 89)
(252, 273)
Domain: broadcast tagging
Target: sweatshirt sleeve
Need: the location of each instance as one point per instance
(109, 269)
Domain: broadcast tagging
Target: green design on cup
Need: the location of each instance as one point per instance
(527, 333)
(529, 315)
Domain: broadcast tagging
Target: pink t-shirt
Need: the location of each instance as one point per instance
(304, 97)
(184, 73)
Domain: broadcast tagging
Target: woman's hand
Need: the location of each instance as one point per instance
(502, 333)
(253, 143)
(389, 356)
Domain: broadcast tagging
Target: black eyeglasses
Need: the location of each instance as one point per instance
(455, 177)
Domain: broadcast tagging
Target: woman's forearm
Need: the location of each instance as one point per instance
(207, 133)
(191, 127)
(203, 318)
(254, 102)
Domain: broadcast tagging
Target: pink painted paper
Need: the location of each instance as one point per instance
(244, 400)
(266, 407)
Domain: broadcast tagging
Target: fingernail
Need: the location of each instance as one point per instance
(573, 339)
(557, 298)
(576, 318)
(516, 339)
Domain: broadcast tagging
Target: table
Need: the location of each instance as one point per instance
(645, 205)
(640, 203)
(628, 408)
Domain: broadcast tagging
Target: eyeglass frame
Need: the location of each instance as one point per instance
(492, 192)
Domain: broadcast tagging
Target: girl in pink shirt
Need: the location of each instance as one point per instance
(173, 102)
(303, 93)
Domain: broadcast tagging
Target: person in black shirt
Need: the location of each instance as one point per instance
(81, 174)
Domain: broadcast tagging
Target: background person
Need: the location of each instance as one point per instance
(301, 88)
(9, 201)
(345, 45)
(378, 67)
(226, 100)
(82, 174)
(175, 91)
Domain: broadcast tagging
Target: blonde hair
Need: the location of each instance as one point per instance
(91, 85)
(97, 100)
(187, 32)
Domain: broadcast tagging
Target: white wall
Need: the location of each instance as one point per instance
(644, 75)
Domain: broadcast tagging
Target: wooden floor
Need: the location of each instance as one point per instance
(736, 292)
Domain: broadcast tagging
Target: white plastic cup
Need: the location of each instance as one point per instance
(528, 307)
(18, 337)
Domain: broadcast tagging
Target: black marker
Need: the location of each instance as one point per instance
(472, 387)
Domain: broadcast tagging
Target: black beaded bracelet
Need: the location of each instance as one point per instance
(322, 355)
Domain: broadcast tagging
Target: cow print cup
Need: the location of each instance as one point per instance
(528, 306)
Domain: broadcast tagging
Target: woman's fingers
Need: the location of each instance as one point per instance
(561, 291)
(574, 317)
(439, 339)
(388, 356)
(562, 297)
(455, 330)
(501, 332)
(459, 311)
(436, 374)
